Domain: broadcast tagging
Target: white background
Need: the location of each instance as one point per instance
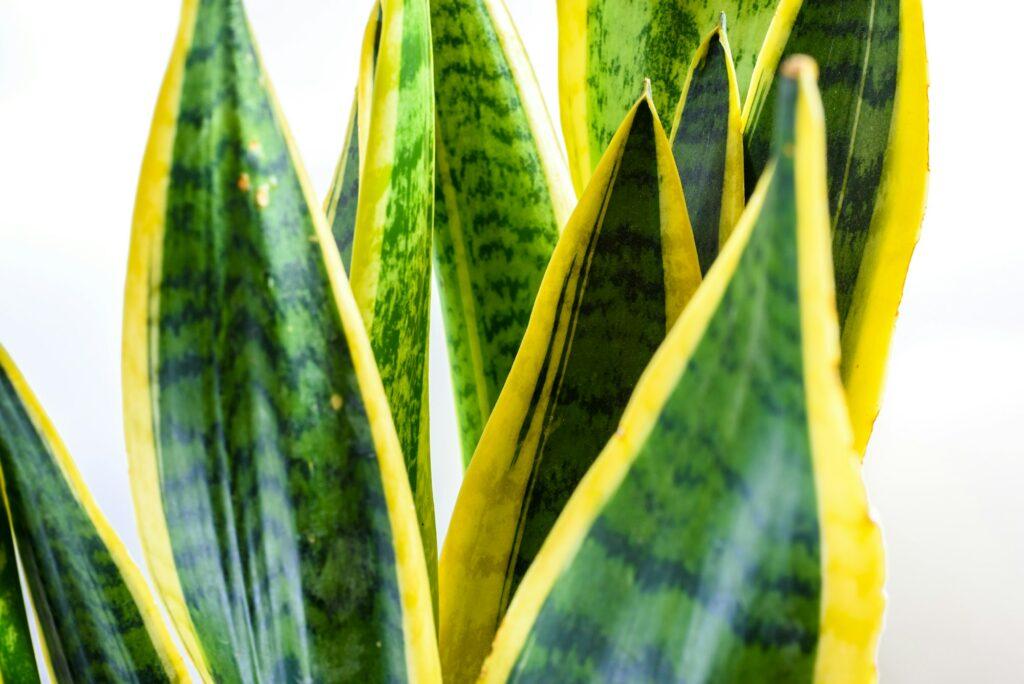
(945, 471)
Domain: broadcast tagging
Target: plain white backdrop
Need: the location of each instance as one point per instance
(945, 470)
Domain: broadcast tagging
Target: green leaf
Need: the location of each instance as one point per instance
(391, 249)
(97, 618)
(274, 508)
(608, 47)
(707, 143)
(343, 198)
(503, 193)
(874, 89)
(723, 533)
(623, 269)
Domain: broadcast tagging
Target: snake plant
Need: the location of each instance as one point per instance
(667, 349)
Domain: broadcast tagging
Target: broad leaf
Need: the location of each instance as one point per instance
(97, 618)
(622, 270)
(391, 250)
(503, 193)
(874, 89)
(707, 142)
(608, 47)
(274, 508)
(723, 534)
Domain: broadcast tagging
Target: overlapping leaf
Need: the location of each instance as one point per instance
(274, 508)
(723, 533)
(707, 142)
(96, 616)
(391, 248)
(621, 272)
(607, 48)
(503, 193)
(874, 89)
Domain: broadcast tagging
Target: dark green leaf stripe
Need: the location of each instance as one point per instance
(502, 195)
(609, 46)
(621, 272)
(695, 549)
(707, 146)
(341, 202)
(857, 46)
(391, 251)
(97, 619)
(291, 551)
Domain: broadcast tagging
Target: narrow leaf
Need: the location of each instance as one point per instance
(342, 200)
(97, 618)
(391, 251)
(273, 506)
(874, 89)
(608, 47)
(707, 142)
(503, 193)
(723, 534)
(621, 272)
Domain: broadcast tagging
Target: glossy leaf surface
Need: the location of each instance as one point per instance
(267, 473)
(874, 89)
(707, 143)
(391, 249)
(622, 271)
(97, 618)
(723, 533)
(608, 47)
(503, 193)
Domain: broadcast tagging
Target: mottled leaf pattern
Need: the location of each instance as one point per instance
(340, 206)
(707, 142)
(391, 250)
(863, 52)
(608, 47)
(621, 272)
(274, 508)
(503, 193)
(723, 533)
(95, 612)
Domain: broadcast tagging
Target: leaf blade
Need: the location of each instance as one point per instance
(267, 475)
(663, 545)
(97, 618)
(503, 193)
(586, 342)
(707, 143)
(873, 57)
(391, 249)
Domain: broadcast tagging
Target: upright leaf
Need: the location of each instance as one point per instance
(707, 142)
(97, 619)
(622, 271)
(503, 193)
(608, 47)
(874, 89)
(391, 250)
(267, 474)
(342, 200)
(723, 534)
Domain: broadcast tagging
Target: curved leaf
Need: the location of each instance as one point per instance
(503, 193)
(97, 618)
(622, 271)
(707, 143)
(608, 47)
(874, 89)
(391, 250)
(723, 534)
(267, 474)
